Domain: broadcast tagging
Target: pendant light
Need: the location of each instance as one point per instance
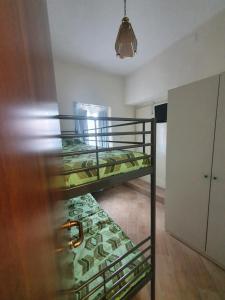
(126, 42)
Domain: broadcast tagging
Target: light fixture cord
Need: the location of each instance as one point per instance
(125, 8)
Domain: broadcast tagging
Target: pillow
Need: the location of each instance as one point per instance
(71, 142)
(77, 141)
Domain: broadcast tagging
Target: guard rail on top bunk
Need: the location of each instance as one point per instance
(148, 140)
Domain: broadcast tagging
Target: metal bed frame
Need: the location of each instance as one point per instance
(101, 183)
(141, 273)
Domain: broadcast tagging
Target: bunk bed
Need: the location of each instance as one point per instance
(107, 264)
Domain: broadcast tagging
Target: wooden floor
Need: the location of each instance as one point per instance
(182, 274)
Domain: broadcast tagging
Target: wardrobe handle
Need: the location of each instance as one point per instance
(76, 242)
(206, 176)
(215, 178)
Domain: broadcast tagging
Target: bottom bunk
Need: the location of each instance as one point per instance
(107, 265)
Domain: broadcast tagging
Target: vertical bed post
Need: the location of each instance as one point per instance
(101, 137)
(83, 136)
(143, 140)
(153, 205)
(96, 146)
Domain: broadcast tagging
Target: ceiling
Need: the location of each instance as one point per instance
(84, 31)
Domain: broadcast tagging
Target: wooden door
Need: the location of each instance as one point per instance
(216, 223)
(191, 122)
(27, 93)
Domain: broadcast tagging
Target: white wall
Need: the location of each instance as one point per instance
(197, 56)
(76, 83)
(147, 111)
(144, 112)
(161, 135)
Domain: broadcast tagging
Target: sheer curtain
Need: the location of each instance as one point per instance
(80, 125)
(103, 124)
(89, 110)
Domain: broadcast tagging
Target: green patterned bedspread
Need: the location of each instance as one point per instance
(89, 160)
(104, 242)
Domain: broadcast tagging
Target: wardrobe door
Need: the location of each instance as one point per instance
(216, 224)
(191, 122)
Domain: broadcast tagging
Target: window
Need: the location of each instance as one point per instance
(88, 126)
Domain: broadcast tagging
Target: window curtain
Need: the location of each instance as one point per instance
(81, 126)
(103, 124)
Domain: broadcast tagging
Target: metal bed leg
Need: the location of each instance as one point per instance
(153, 205)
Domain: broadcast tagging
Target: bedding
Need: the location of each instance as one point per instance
(104, 242)
(89, 160)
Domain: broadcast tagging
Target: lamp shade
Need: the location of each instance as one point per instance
(126, 42)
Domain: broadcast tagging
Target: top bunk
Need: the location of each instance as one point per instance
(99, 152)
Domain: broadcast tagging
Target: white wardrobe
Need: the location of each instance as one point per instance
(195, 179)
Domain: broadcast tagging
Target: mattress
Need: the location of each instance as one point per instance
(89, 160)
(104, 242)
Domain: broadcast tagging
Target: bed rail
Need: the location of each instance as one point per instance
(139, 274)
(120, 119)
(105, 139)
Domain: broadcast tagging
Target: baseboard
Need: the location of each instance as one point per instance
(143, 187)
(197, 250)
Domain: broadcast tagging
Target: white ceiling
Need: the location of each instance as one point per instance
(84, 31)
